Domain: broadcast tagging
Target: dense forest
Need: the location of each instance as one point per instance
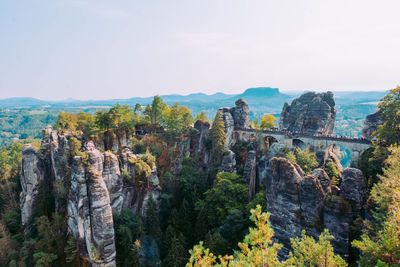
(202, 213)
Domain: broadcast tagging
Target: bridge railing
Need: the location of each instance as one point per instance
(318, 137)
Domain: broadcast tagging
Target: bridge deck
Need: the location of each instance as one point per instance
(318, 137)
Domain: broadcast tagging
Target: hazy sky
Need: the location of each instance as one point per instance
(96, 49)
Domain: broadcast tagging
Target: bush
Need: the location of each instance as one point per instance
(304, 158)
(333, 173)
(139, 148)
(149, 159)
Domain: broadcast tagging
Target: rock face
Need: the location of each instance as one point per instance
(297, 202)
(332, 154)
(249, 172)
(323, 179)
(353, 189)
(229, 125)
(199, 140)
(100, 183)
(112, 178)
(241, 114)
(312, 197)
(228, 163)
(283, 201)
(311, 113)
(90, 218)
(337, 219)
(275, 150)
(371, 124)
(31, 176)
(237, 117)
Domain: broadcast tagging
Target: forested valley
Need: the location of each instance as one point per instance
(154, 185)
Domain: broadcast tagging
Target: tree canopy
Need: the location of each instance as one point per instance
(268, 121)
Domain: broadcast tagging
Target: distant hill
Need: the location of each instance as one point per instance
(260, 99)
(21, 102)
(351, 97)
(24, 117)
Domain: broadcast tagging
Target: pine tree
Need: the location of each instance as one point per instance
(384, 244)
(157, 108)
(201, 225)
(152, 221)
(307, 252)
(218, 138)
(177, 253)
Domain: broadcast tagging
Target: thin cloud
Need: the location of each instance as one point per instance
(110, 12)
(98, 8)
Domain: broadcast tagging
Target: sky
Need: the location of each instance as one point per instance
(98, 49)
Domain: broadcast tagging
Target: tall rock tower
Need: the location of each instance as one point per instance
(311, 113)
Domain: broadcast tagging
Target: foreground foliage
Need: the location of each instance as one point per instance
(258, 249)
(383, 243)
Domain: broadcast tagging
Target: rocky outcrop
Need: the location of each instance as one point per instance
(228, 163)
(283, 201)
(353, 189)
(90, 218)
(323, 178)
(240, 114)
(312, 197)
(136, 192)
(298, 202)
(237, 117)
(229, 125)
(249, 172)
(182, 150)
(275, 150)
(112, 140)
(78, 220)
(112, 178)
(371, 124)
(100, 183)
(200, 138)
(337, 219)
(311, 113)
(31, 176)
(332, 154)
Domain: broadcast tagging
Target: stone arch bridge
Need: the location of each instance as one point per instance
(316, 143)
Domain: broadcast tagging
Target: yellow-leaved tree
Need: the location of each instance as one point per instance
(268, 121)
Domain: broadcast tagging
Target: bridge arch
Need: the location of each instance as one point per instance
(299, 143)
(269, 140)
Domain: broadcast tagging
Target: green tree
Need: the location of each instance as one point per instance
(128, 228)
(176, 118)
(66, 121)
(382, 244)
(103, 120)
(156, 110)
(304, 158)
(177, 254)
(202, 117)
(43, 259)
(138, 108)
(257, 248)
(333, 172)
(151, 220)
(307, 252)
(87, 124)
(389, 106)
(229, 192)
(218, 137)
(52, 236)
